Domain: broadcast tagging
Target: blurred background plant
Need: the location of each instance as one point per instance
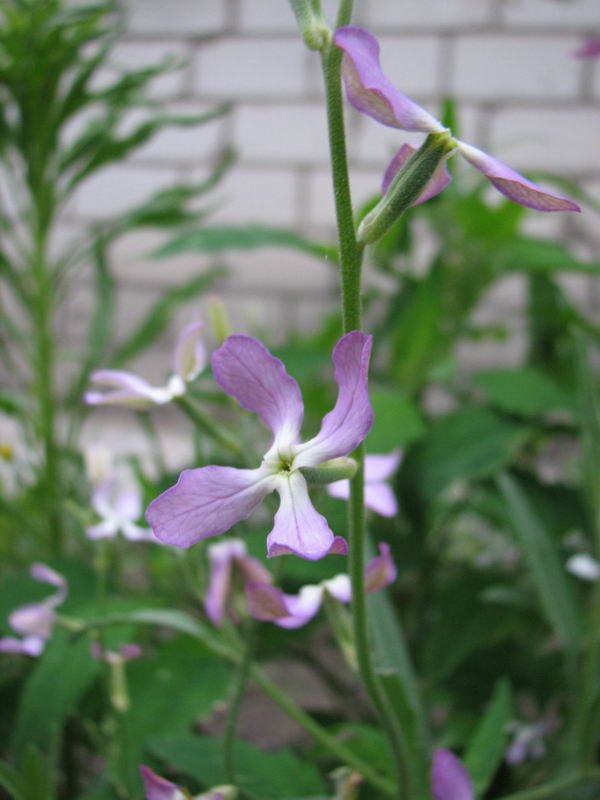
(67, 114)
(497, 488)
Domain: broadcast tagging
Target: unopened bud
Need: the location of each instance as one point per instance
(406, 187)
(219, 319)
(338, 469)
(311, 23)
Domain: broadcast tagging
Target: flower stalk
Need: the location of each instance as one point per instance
(351, 254)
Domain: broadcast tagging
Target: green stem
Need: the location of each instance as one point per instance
(233, 713)
(43, 307)
(320, 734)
(205, 423)
(351, 262)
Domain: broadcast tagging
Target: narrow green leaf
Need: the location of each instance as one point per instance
(541, 255)
(159, 316)
(576, 787)
(523, 390)
(52, 691)
(588, 396)
(11, 781)
(488, 743)
(544, 561)
(218, 239)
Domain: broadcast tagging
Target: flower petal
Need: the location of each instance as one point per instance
(584, 566)
(103, 530)
(189, 356)
(299, 528)
(33, 619)
(129, 504)
(437, 183)
(339, 587)
(513, 185)
(590, 48)
(120, 388)
(380, 498)
(370, 91)
(351, 419)
(158, 788)
(381, 570)
(449, 778)
(244, 368)
(220, 557)
(270, 604)
(136, 533)
(28, 645)
(205, 502)
(381, 466)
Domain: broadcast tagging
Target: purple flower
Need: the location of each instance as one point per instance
(222, 558)
(157, 788)
(115, 387)
(126, 652)
(210, 500)
(378, 495)
(370, 92)
(118, 512)
(449, 778)
(590, 48)
(34, 621)
(270, 604)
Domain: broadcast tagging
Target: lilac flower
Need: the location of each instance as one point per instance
(118, 512)
(34, 621)
(370, 92)
(118, 509)
(378, 495)
(270, 604)
(449, 778)
(117, 387)
(222, 558)
(157, 788)
(210, 500)
(590, 48)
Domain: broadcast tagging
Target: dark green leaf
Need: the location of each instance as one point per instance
(579, 787)
(487, 746)
(544, 561)
(528, 253)
(268, 776)
(11, 781)
(52, 692)
(398, 421)
(523, 390)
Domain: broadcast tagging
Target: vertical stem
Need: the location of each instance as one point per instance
(233, 712)
(350, 263)
(43, 309)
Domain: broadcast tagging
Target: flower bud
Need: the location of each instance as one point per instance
(311, 23)
(219, 319)
(338, 469)
(406, 187)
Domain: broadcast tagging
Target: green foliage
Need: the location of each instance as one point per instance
(488, 743)
(268, 776)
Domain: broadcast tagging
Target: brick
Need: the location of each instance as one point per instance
(138, 55)
(256, 68)
(430, 14)
(559, 140)
(116, 189)
(558, 15)
(186, 144)
(276, 16)
(494, 68)
(256, 195)
(182, 17)
(412, 64)
(281, 134)
(279, 270)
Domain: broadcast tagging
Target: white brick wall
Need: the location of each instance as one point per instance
(508, 63)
